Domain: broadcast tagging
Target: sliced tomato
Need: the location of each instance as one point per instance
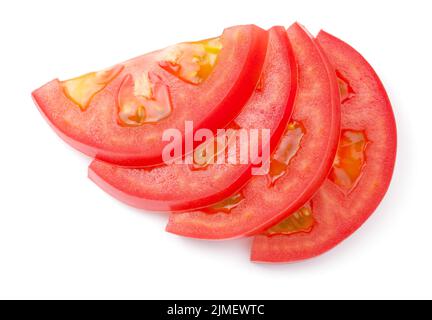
(299, 165)
(185, 187)
(361, 173)
(119, 115)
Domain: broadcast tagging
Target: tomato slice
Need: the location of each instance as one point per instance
(362, 170)
(184, 187)
(119, 115)
(300, 164)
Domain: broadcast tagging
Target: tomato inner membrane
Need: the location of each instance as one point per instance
(260, 85)
(216, 149)
(300, 221)
(210, 151)
(81, 90)
(350, 159)
(192, 62)
(227, 205)
(206, 154)
(286, 150)
(345, 90)
(143, 100)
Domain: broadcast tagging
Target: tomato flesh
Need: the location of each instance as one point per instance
(362, 170)
(317, 109)
(127, 112)
(203, 183)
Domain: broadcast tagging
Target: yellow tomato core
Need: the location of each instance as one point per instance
(345, 90)
(350, 159)
(81, 90)
(143, 100)
(192, 62)
(227, 205)
(285, 152)
(300, 221)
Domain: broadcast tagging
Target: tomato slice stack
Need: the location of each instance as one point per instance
(325, 150)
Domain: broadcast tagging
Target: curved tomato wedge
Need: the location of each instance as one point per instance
(184, 187)
(119, 115)
(299, 165)
(361, 173)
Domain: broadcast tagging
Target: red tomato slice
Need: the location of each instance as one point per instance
(361, 173)
(299, 166)
(183, 187)
(119, 115)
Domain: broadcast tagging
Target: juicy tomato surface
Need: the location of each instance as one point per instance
(361, 172)
(180, 187)
(298, 167)
(119, 115)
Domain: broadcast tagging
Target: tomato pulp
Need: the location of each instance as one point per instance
(299, 165)
(361, 173)
(119, 115)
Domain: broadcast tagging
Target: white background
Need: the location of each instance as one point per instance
(62, 237)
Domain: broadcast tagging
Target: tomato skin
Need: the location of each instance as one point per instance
(212, 104)
(318, 108)
(177, 187)
(338, 214)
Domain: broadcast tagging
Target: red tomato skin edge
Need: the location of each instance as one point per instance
(175, 228)
(179, 205)
(163, 205)
(236, 97)
(176, 206)
(259, 255)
